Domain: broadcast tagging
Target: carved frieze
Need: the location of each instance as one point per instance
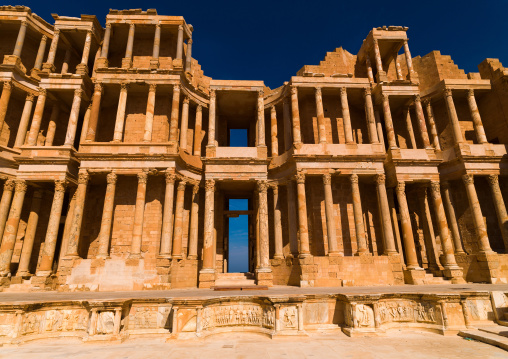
(244, 314)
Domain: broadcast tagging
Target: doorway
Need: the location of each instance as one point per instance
(238, 235)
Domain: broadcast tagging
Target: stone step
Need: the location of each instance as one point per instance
(487, 338)
(495, 329)
(235, 276)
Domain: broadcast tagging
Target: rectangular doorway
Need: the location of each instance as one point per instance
(238, 237)
(238, 137)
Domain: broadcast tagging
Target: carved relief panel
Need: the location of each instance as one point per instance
(242, 314)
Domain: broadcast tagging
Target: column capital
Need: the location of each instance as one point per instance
(189, 42)
(83, 177)
(261, 93)
(262, 186)
(56, 32)
(300, 177)
(181, 185)
(124, 86)
(343, 91)
(401, 188)
(367, 91)
(9, 185)
(294, 90)
(132, 25)
(447, 92)
(435, 186)
(318, 91)
(60, 186)
(142, 176)
(493, 180)
(158, 25)
(195, 188)
(180, 27)
(7, 85)
(426, 101)
(470, 92)
(108, 25)
(44, 38)
(380, 179)
(210, 185)
(78, 93)
(20, 185)
(42, 91)
(170, 177)
(152, 87)
(272, 108)
(417, 97)
(275, 187)
(212, 94)
(30, 97)
(468, 179)
(98, 87)
(385, 96)
(186, 100)
(176, 88)
(445, 184)
(24, 23)
(199, 108)
(375, 42)
(327, 179)
(111, 178)
(354, 178)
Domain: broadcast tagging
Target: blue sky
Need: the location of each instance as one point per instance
(272, 40)
(238, 237)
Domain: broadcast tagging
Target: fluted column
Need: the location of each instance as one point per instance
(358, 215)
(75, 229)
(452, 219)
(150, 108)
(40, 53)
(384, 209)
(444, 232)
(297, 136)
(302, 216)
(167, 216)
(369, 114)
(194, 224)
(73, 118)
(188, 56)
(211, 119)
(185, 123)
(5, 203)
(31, 228)
(37, 118)
(11, 228)
(105, 43)
(21, 39)
(139, 211)
(348, 131)
(320, 114)
(390, 132)
(474, 204)
(502, 216)
(409, 126)
(409, 61)
(178, 236)
(198, 126)
(94, 113)
(50, 61)
(452, 115)
(407, 230)
(477, 120)
(264, 247)
(4, 101)
(421, 122)
(209, 237)
(175, 104)
(286, 115)
(48, 251)
(330, 217)
(179, 44)
(127, 61)
(120, 113)
(261, 119)
(432, 125)
(277, 223)
(273, 123)
(107, 216)
(23, 122)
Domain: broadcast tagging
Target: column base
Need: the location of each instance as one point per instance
(177, 64)
(134, 256)
(206, 278)
(82, 69)
(24, 275)
(336, 254)
(363, 253)
(102, 62)
(192, 257)
(264, 276)
(164, 256)
(278, 256)
(455, 274)
(102, 256)
(4, 274)
(48, 68)
(414, 276)
(126, 63)
(44, 280)
(303, 255)
(211, 151)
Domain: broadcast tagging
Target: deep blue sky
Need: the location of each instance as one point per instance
(272, 40)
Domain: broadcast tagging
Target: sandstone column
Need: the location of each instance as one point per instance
(432, 125)
(370, 116)
(409, 127)
(390, 132)
(409, 61)
(297, 137)
(273, 123)
(421, 121)
(175, 104)
(395, 223)
(167, 216)
(50, 134)
(21, 39)
(23, 122)
(502, 216)
(211, 119)
(407, 230)
(86, 52)
(370, 75)
(286, 114)
(75, 229)
(198, 125)
(188, 56)
(209, 237)
(475, 114)
(127, 61)
(49, 65)
(154, 62)
(11, 228)
(452, 115)
(31, 227)
(137, 230)
(84, 126)
(292, 218)
(105, 43)
(67, 59)
(261, 120)
(320, 114)
(37, 118)
(178, 236)
(4, 101)
(444, 232)
(179, 44)
(474, 204)
(379, 63)
(277, 223)
(379, 127)
(330, 217)
(348, 131)
(194, 222)
(40, 53)
(107, 216)
(185, 123)
(428, 229)
(264, 247)
(73, 118)
(452, 219)
(358, 215)
(94, 113)
(5, 203)
(302, 216)
(384, 210)
(150, 108)
(397, 66)
(120, 113)
(48, 251)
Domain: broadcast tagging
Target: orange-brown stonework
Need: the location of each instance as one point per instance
(367, 169)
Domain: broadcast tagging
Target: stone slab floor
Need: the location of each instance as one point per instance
(395, 345)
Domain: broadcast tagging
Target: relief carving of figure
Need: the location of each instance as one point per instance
(289, 318)
(106, 322)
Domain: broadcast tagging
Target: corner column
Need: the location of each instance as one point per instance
(49, 65)
(188, 56)
(75, 229)
(120, 113)
(107, 216)
(154, 61)
(21, 39)
(150, 108)
(409, 61)
(179, 44)
(82, 68)
(407, 230)
(178, 236)
(381, 74)
(137, 230)
(194, 222)
(94, 113)
(302, 216)
(73, 118)
(167, 216)
(105, 43)
(477, 120)
(358, 215)
(330, 220)
(175, 108)
(297, 137)
(384, 208)
(502, 216)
